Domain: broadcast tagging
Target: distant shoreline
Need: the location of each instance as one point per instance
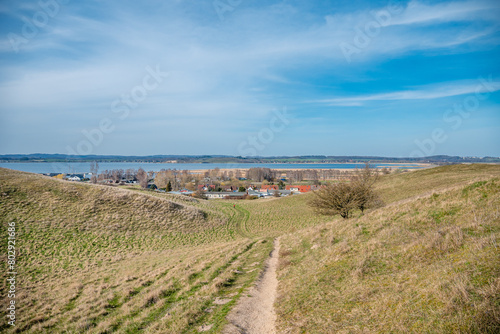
(409, 164)
(84, 167)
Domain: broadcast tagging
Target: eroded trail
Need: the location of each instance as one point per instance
(254, 313)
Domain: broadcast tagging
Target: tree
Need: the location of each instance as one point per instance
(143, 178)
(169, 187)
(363, 183)
(94, 169)
(339, 198)
(161, 179)
(242, 189)
(116, 175)
(343, 198)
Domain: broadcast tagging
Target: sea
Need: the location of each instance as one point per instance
(84, 167)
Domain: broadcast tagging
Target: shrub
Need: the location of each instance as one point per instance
(339, 198)
(343, 198)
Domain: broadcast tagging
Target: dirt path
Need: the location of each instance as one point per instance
(254, 313)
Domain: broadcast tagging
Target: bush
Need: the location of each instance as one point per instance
(343, 198)
(339, 198)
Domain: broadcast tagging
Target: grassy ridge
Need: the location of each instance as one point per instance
(396, 187)
(430, 264)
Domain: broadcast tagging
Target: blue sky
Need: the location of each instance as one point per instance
(234, 77)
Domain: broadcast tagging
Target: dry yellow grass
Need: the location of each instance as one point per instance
(431, 264)
(95, 259)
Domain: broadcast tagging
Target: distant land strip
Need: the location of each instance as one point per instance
(437, 159)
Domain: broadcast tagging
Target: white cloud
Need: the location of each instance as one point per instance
(228, 70)
(428, 92)
(420, 13)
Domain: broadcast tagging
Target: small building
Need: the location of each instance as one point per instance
(301, 189)
(225, 195)
(273, 192)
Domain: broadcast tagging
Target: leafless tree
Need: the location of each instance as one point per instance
(162, 179)
(363, 183)
(260, 174)
(130, 174)
(116, 175)
(338, 198)
(94, 169)
(343, 198)
(142, 177)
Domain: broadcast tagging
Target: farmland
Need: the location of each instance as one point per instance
(98, 259)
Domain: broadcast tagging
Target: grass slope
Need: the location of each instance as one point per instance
(428, 264)
(95, 259)
(396, 187)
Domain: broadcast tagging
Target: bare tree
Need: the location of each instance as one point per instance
(143, 178)
(117, 174)
(343, 198)
(94, 169)
(338, 198)
(162, 179)
(363, 183)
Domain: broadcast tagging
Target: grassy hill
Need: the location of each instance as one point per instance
(430, 263)
(96, 259)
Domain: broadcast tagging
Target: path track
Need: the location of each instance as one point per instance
(254, 313)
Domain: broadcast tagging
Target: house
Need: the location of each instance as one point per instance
(269, 186)
(254, 193)
(225, 195)
(266, 187)
(73, 178)
(301, 189)
(272, 192)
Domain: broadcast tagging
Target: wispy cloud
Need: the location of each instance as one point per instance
(418, 12)
(428, 92)
(264, 55)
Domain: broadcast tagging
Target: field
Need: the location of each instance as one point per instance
(97, 259)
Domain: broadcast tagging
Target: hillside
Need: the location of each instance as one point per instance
(396, 187)
(430, 263)
(96, 259)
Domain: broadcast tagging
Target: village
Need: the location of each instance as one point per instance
(215, 184)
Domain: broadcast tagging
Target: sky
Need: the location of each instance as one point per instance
(247, 78)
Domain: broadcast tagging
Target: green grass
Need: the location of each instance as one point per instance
(428, 265)
(96, 259)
